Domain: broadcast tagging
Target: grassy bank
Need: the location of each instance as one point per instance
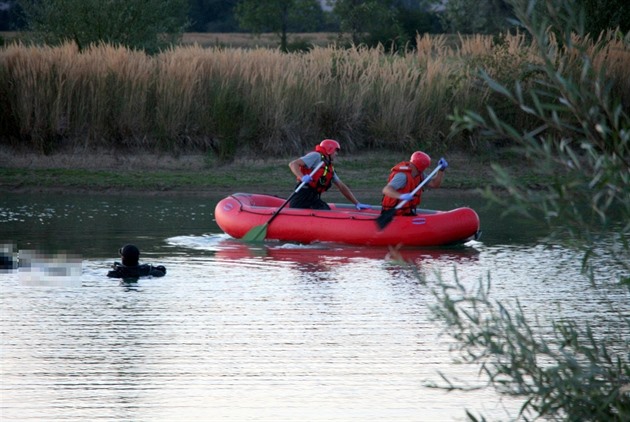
(198, 175)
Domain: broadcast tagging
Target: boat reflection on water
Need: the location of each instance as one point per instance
(227, 248)
(321, 263)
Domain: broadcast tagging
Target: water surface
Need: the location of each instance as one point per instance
(264, 332)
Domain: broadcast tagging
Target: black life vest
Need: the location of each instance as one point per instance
(135, 271)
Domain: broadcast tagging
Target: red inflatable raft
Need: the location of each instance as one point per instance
(240, 212)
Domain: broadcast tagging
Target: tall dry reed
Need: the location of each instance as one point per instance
(260, 101)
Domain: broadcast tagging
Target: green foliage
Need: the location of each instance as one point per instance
(212, 15)
(278, 16)
(228, 113)
(299, 45)
(569, 373)
(578, 140)
(364, 19)
(603, 15)
(476, 17)
(579, 137)
(138, 24)
(414, 21)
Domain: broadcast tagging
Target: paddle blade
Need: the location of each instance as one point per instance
(256, 234)
(385, 218)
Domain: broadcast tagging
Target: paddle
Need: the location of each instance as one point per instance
(387, 216)
(258, 233)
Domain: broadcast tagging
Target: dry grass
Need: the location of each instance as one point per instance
(258, 100)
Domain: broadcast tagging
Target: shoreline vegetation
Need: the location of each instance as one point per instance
(203, 116)
(262, 102)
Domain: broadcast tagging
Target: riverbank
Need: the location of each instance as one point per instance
(107, 172)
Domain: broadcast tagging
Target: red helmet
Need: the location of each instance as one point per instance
(330, 146)
(420, 160)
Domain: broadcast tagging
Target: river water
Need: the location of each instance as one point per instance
(264, 332)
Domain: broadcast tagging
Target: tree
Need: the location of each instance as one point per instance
(212, 15)
(278, 16)
(492, 16)
(608, 14)
(417, 18)
(392, 23)
(363, 17)
(140, 24)
(476, 16)
(11, 16)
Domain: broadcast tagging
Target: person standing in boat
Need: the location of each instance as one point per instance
(309, 196)
(131, 269)
(404, 178)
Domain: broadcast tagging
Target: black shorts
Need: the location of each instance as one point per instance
(308, 198)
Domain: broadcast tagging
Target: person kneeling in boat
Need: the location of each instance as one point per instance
(309, 196)
(404, 178)
(131, 269)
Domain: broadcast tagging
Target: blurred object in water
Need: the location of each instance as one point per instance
(40, 269)
(8, 259)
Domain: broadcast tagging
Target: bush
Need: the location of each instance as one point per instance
(578, 137)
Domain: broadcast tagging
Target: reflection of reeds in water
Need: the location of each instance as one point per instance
(395, 255)
(261, 99)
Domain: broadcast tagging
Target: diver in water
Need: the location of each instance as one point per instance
(131, 268)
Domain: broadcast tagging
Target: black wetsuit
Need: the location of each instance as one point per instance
(135, 271)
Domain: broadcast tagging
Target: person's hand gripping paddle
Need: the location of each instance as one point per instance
(387, 216)
(258, 233)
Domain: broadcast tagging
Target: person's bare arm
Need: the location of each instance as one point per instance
(436, 182)
(295, 167)
(388, 190)
(345, 191)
